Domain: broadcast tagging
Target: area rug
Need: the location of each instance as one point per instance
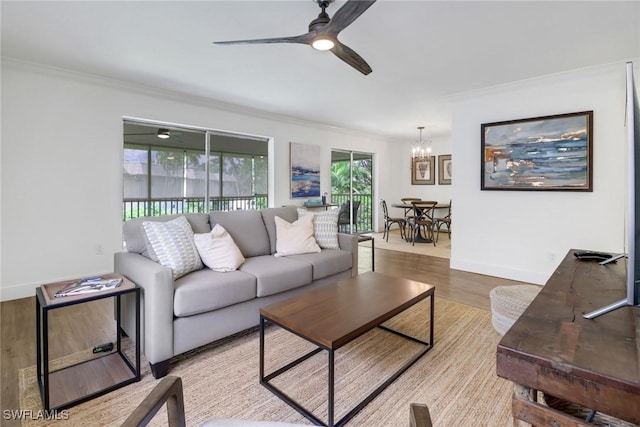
(441, 250)
(456, 379)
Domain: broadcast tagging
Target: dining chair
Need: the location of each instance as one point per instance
(442, 221)
(410, 199)
(389, 221)
(423, 220)
(344, 219)
(408, 212)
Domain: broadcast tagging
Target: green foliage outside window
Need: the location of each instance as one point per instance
(362, 187)
(341, 177)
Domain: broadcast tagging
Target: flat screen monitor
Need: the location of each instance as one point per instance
(632, 225)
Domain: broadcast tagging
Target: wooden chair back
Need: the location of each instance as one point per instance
(169, 391)
(424, 211)
(409, 200)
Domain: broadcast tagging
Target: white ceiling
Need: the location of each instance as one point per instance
(421, 52)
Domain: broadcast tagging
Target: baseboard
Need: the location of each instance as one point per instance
(534, 277)
(19, 291)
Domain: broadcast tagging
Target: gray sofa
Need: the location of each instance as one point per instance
(204, 306)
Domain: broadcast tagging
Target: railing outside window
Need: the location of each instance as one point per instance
(364, 219)
(135, 208)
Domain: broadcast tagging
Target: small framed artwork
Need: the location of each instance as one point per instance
(423, 171)
(305, 170)
(444, 169)
(541, 153)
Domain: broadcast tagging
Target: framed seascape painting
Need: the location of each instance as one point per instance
(423, 171)
(444, 169)
(305, 170)
(541, 153)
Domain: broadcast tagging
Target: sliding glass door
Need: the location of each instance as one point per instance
(352, 180)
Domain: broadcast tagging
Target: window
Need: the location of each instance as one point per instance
(176, 174)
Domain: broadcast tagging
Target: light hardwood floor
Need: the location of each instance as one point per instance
(83, 326)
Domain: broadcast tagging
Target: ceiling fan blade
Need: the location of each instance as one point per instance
(303, 39)
(349, 56)
(344, 16)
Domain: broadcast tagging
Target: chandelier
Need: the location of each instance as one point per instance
(421, 149)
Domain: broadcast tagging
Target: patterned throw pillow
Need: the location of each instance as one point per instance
(325, 227)
(172, 242)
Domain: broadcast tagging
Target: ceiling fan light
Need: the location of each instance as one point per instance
(163, 133)
(323, 44)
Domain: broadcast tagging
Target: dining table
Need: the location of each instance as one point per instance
(407, 207)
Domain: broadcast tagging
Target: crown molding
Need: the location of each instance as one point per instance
(74, 75)
(536, 81)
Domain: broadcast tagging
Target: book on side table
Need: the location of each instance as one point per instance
(88, 285)
(50, 291)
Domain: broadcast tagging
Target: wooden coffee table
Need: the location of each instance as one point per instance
(335, 315)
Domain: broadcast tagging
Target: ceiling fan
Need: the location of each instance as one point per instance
(161, 133)
(136, 133)
(323, 33)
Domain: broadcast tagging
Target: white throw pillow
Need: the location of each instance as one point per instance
(325, 227)
(172, 243)
(218, 250)
(295, 238)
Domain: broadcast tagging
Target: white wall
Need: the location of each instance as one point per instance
(524, 235)
(61, 171)
(440, 193)
(397, 175)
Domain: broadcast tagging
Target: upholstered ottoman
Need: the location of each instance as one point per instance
(508, 303)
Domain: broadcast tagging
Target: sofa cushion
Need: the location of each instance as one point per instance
(218, 250)
(173, 245)
(277, 274)
(206, 290)
(296, 237)
(326, 263)
(134, 237)
(247, 230)
(325, 227)
(288, 213)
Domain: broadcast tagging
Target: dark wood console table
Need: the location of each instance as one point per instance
(553, 349)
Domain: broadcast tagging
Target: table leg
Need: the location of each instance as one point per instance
(525, 393)
(331, 402)
(527, 411)
(419, 238)
(45, 357)
(118, 326)
(138, 335)
(373, 254)
(362, 238)
(261, 349)
(432, 319)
